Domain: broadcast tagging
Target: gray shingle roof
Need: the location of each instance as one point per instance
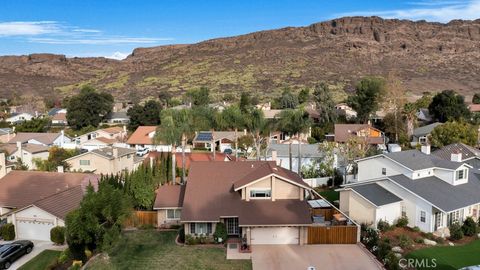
(108, 151)
(440, 193)
(376, 194)
(308, 150)
(425, 130)
(416, 160)
(466, 151)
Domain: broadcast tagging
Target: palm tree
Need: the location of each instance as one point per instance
(410, 112)
(258, 127)
(293, 122)
(174, 125)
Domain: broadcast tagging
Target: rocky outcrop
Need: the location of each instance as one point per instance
(426, 56)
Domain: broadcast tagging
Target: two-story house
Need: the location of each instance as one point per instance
(108, 160)
(256, 200)
(143, 138)
(101, 138)
(430, 191)
(469, 155)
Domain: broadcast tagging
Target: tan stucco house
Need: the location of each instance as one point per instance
(108, 160)
(256, 200)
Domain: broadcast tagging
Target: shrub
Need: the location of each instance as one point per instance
(175, 226)
(220, 235)
(202, 239)
(469, 227)
(57, 235)
(64, 256)
(146, 227)
(383, 226)
(429, 236)
(405, 241)
(311, 140)
(391, 261)
(338, 179)
(440, 240)
(402, 222)
(88, 253)
(8, 232)
(190, 240)
(419, 240)
(384, 248)
(181, 235)
(416, 229)
(370, 238)
(456, 232)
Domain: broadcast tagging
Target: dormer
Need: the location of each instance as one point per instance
(270, 182)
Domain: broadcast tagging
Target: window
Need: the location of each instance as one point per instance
(174, 213)
(261, 193)
(404, 211)
(84, 162)
(423, 216)
(460, 174)
(384, 171)
(454, 217)
(201, 228)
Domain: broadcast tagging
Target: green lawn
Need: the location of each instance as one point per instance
(157, 250)
(41, 261)
(450, 257)
(330, 195)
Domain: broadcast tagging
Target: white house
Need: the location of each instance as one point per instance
(27, 152)
(19, 118)
(430, 191)
(38, 201)
(46, 139)
(111, 136)
(143, 137)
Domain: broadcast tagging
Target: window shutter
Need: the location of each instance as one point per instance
(192, 228)
(209, 228)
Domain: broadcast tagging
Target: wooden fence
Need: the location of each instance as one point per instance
(332, 235)
(325, 212)
(140, 218)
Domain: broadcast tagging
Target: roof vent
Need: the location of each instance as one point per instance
(275, 168)
(252, 165)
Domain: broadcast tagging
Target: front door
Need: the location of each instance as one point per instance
(232, 226)
(438, 220)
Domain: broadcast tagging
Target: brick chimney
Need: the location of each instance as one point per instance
(274, 155)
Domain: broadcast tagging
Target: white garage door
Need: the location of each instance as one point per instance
(274, 235)
(34, 230)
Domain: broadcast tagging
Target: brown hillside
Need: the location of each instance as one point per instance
(427, 56)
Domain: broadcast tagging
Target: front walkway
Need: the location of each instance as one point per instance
(332, 257)
(233, 252)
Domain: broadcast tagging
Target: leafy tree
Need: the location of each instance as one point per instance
(448, 105)
(394, 126)
(454, 132)
(56, 157)
(476, 98)
(146, 115)
(324, 104)
(355, 148)
(88, 108)
(369, 94)
(424, 101)
(327, 162)
(245, 103)
(303, 95)
(245, 142)
(34, 125)
(230, 118)
(198, 97)
(20, 165)
(99, 218)
(287, 100)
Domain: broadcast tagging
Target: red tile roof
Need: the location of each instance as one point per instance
(140, 136)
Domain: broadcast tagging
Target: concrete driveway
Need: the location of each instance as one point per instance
(292, 257)
(39, 246)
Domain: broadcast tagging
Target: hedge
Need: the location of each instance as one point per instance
(57, 235)
(8, 232)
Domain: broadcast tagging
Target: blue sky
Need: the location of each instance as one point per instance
(112, 28)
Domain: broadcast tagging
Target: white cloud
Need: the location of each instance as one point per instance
(28, 28)
(439, 11)
(98, 40)
(118, 55)
(52, 32)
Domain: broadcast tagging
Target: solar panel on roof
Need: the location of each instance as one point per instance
(204, 136)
